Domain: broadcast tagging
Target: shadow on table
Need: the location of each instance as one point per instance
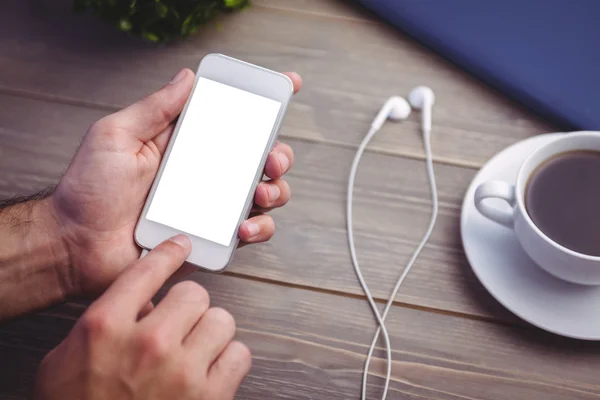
(83, 58)
(25, 341)
(62, 27)
(527, 334)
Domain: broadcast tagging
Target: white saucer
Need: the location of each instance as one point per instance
(510, 275)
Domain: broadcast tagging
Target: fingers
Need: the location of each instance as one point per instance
(230, 369)
(280, 161)
(211, 335)
(135, 287)
(272, 194)
(268, 195)
(296, 80)
(180, 309)
(260, 228)
(152, 115)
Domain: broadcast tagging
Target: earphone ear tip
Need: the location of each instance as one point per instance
(400, 109)
(417, 96)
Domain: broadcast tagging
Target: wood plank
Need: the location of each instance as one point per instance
(392, 210)
(306, 343)
(312, 345)
(391, 214)
(349, 69)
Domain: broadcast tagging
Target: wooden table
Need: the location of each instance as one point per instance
(296, 299)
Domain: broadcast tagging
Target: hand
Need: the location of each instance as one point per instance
(99, 199)
(122, 349)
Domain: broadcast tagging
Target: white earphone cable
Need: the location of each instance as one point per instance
(381, 318)
(386, 338)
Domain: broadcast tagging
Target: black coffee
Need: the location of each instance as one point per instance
(563, 200)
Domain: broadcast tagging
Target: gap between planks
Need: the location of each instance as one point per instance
(340, 293)
(111, 108)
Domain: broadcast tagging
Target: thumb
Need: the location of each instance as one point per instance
(150, 116)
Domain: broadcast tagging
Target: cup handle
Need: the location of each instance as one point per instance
(496, 190)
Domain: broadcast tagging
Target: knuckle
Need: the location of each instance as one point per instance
(186, 380)
(139, 270)
(191, 292)
(264, 186)
(285, 188)
(288, 151)
(270, 225)
(162, 115)
(242, 357)
(221, 318)
(154, 344)
(97, 322)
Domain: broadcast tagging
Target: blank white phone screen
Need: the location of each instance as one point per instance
(213, 161)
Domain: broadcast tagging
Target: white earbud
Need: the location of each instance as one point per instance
(422, 98)
(395, 108)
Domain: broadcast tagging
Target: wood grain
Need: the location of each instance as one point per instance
(312, 345)
(310, 248)
(349, 69)
(296, 299)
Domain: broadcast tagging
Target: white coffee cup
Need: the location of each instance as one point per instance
(558, 260)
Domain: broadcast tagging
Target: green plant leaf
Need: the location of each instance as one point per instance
(151, 37)
(159, 20)
(161, 10)
(125, 25)
(234, 3)
(187, 25)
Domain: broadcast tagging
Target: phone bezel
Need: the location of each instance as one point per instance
(245, 76)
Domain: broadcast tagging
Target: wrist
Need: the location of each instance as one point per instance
(34, 263)
(53, 234)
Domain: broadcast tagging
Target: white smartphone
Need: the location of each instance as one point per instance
(205, 185)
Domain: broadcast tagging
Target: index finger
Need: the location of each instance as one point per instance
(136, 286)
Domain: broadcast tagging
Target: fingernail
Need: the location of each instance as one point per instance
(180, 75)
(253, 229)
(181, 240)
(285, 163)
(274, 192)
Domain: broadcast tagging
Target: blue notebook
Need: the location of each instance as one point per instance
(543, 53)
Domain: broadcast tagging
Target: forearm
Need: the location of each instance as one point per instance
(33, 259)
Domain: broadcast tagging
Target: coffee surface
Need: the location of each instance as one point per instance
(562, 198)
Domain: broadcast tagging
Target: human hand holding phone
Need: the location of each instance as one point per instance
(122, 348)
(99, 199)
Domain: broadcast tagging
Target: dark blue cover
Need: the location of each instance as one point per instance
(544, 53)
